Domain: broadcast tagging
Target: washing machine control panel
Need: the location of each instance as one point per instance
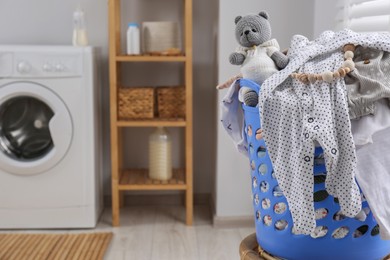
(54, 67)
(23, 67)
(47, 64)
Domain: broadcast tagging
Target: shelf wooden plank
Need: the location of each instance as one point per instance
(114, 22)
(152, 123)
(137, 179)
(145, 58)
(188, 24)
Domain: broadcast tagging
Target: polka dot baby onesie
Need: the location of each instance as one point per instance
(295, 116)
(320, 116)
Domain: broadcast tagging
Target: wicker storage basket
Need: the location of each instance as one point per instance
(171, 102)
(136, 103)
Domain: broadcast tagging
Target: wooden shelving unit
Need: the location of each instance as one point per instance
(141, 58)
(137, 179)
(153, 123)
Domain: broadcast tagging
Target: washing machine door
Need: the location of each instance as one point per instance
(35, 128)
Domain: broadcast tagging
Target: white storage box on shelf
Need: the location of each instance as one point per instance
(160, 37)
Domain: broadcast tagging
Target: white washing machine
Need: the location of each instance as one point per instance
(50, 165)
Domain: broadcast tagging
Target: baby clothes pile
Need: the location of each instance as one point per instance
(348, 117)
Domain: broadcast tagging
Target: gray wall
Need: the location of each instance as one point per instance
(233, 184)
(324, 14)
(50, 22)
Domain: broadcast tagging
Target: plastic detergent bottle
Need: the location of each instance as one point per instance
(133, 39)
(160, 155)
(79, 29)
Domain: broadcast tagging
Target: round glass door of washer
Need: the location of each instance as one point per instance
(24, 128)
(35, 128)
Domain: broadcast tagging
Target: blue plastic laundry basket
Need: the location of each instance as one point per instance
(273, 219)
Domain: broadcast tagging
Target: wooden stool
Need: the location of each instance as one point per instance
(250, 250)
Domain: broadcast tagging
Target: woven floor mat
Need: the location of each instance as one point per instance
(15, 246)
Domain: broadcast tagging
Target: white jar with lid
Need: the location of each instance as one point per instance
(160, 155)
(133, 39)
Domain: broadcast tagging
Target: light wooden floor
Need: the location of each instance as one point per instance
(159, 233)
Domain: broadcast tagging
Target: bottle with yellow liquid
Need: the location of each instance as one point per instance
(160, 155)
(79, 28)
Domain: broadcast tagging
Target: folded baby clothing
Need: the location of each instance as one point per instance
(368, 89)
(365, 127)
(373, 176)
(258, 65)
(368, 82)
(232, 117)
(295, 115)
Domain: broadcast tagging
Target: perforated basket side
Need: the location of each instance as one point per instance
(337, 237)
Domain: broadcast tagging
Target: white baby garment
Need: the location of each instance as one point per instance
(295, 115)
(258, 65)
(232, 117)
(373, 175)
(365, 127)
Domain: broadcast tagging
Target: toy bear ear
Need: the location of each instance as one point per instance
(264, 14)
(238, 18)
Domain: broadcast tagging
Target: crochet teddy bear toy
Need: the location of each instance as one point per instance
(258, 54)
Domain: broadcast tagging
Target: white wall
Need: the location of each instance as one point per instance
(50, 22)
(233, 185)
(324, 14)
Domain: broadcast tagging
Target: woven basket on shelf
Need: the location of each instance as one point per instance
(136, 103)
(171, 102)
